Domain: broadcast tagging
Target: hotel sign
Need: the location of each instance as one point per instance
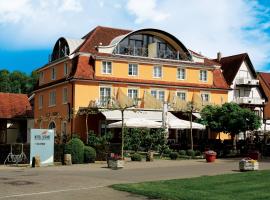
(42, 144)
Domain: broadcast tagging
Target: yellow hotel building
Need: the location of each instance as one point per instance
(149, 66)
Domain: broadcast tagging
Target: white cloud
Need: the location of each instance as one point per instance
(207, 26)
(146, 10)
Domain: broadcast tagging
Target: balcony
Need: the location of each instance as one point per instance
(249, 100)
(247, 81)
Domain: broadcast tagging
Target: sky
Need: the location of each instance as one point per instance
(30, 28)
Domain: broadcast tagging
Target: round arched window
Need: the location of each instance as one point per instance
(52, 125)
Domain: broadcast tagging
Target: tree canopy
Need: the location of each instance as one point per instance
(230, 118)
(17, 82)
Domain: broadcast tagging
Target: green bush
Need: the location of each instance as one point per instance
(198, 153)
(174, 155)
(75, 147)
(89, 154)
(136, 157)
(167, 151)
(191, 152)
(182, 153)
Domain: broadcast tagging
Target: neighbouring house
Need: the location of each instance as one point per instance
(241, 76)
(146, 66)
(16, 118)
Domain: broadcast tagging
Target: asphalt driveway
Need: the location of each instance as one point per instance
(92, 181)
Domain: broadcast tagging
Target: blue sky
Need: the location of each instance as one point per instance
(29, 28)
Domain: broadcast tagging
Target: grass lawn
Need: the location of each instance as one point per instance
(238, 186)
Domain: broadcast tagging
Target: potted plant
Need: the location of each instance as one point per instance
(115, 161)
(248, 164)
(210, 156)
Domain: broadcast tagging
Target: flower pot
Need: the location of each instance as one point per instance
(210, 158)
(115, 164)
(150, 156)
(248, 164)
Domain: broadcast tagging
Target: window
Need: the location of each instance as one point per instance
(158, 94)
(181, 73)
(40, 101)
(52, 98)
(133, 94)
(203, 75)
(182, 95)
(65, 69)
(205, 97)
(105, 95)
(52, 125)
(53, 75)
(157, 72)
(65, 95)
(133, 69)
(106, 67)
(41, 77)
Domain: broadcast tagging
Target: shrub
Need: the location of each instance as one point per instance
(89, 154)
(191, 152)
(198, 153)
(167, 151)
(75, 147)
(136, 157)
(173, 155)
(182, 153)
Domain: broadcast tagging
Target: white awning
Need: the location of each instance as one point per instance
(136, 123)
(156, 116)
(197, 115)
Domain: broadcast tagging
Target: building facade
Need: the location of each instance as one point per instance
(146, 66)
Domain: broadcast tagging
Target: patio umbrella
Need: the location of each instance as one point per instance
(183, 124)
(136, 123)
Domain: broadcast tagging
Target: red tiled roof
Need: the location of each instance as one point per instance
(14, 105)
(231, 64)
(266, 78)
(99, 35)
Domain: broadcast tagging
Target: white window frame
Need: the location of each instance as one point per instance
(53, 73)
(154, 71)
(157, 96)
(179, 69)
(209, 96)
(111, 93)
(105, 70)
(40, 101)
(51, 104)
(132, 69)
(201, 76)
(132, 96)
(65, 68)
(183, 92)
(65, 95)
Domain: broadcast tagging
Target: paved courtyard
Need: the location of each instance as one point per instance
(92, 181)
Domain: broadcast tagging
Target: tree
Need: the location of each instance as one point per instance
(230, 118)
(4, 81)
(133, 138)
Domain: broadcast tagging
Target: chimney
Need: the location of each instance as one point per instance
(219, 55)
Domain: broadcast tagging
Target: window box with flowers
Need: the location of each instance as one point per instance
(115, 161)
(210, 156)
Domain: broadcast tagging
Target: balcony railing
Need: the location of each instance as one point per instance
(249, 100)
(143, 51)
(247, 81)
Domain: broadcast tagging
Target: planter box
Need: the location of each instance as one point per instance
(248, 164)
(116, 164)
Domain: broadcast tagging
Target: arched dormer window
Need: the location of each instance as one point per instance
(152, 43)
(65, 47)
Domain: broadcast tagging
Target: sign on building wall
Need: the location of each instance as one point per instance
(42, 144)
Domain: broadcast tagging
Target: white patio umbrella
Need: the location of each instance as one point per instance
(183, 124)
(136, 123)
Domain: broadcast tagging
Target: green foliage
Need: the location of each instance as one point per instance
(191, 152)
(100, 143)
(133, 138)
(76, 148)
(174, 155)
(198, 153)
(154, 139)
(182, 153)
(136, 157)
(167, 150)
(89, 154)
(17, 82)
